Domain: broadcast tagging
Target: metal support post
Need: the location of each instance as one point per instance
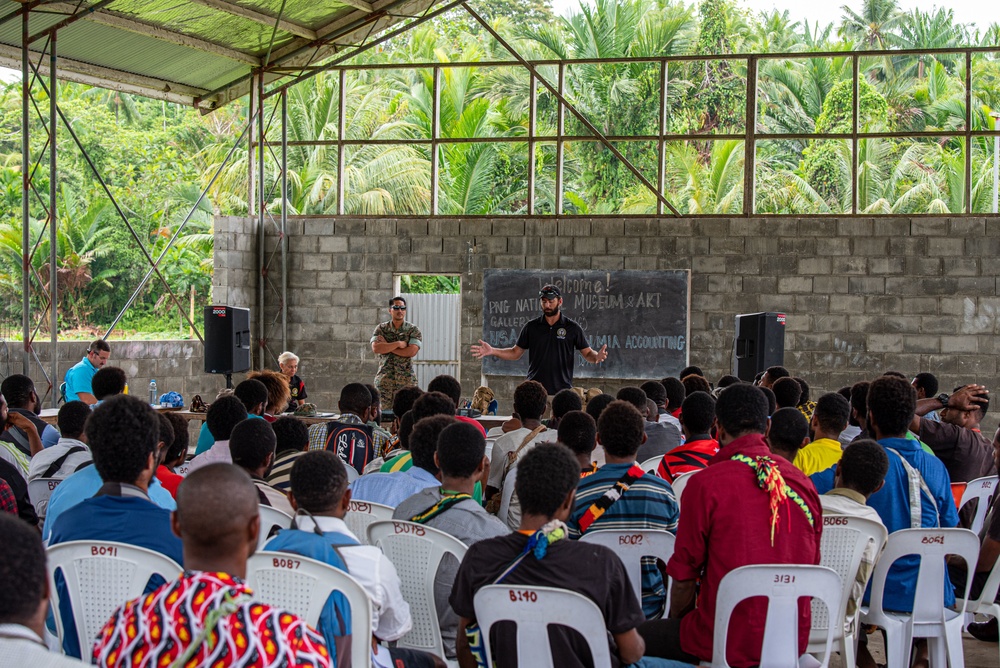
(435, 133)
(25, 196)
(284, 220)
(53, 221)
(532, 129)
(341, 130)
(855, 142)
(261, 204)
(560, 130)
(750, 143)
(661, 145)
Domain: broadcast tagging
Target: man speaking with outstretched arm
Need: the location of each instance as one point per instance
(550, 340)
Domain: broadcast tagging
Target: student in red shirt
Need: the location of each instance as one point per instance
(727, 523)
(697, 416)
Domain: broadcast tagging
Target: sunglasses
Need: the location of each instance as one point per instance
(398, 308)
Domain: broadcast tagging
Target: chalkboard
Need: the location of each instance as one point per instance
(642, 316)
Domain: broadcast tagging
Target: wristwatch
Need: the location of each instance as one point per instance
(943, 398)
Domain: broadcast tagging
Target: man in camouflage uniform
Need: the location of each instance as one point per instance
(395, 342)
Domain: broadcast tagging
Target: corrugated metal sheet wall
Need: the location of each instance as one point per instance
(438, 317)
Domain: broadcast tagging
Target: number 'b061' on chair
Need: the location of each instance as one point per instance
(533, 610)
(783, 585)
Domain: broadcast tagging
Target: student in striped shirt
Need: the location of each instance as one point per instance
(621, 496)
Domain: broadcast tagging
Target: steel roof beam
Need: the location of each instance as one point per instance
(264, 19)
(359, 4)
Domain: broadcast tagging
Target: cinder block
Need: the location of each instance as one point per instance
(933, 227)
(590, 245)
(727, 245)
(866, 285)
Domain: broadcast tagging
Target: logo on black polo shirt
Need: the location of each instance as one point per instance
(561, 333)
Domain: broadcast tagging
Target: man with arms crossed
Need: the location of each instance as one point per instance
(550, 340)
(396, 342)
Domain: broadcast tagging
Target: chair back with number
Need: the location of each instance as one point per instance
(632, 547)
(271, 521)
(416, 550)
(302, 586)
(981, 489)
(100, 576)
(360, 514)
(842, 548)
(783, 585)
(534, 609)
(39, 491)
(930, 618)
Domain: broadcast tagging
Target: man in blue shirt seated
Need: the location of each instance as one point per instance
(390, 489)
(123, 433)
(79, 375)
(621, 496)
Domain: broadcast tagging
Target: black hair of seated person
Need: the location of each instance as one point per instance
(16, 390)
(448, 386)
(689, 370)
(215, 506)
(166, 434)
(424, 440)
(318, 480)
(695, 383)
(742, 409)
(786, 392)
(654, 390)
(460, 449)
(859, 400)
(545, 476)
(787, 430)
(374, 393)
(251, 443)
(530, 399)
(803, 390)
(845, 392)
(99, 346)
(107, 382)
(71, 418)
(675, 392)
(122, 433)
(728, 380)
(565, 401)
(290, 434)
(251, 393)
(891, 404)
(984, 403)
(895, 374)
(772, 403)
(776, 372)
(278, 392)
(405, 429)
(698, 412)
(621, 429)
(632, 395)
(578, 432)
(23, 579)
(402, 401)
(597, 405)
(832, 412)
(224, 414)
(178, 447)
(432, 403)
(925, 380)
(864, 469)
(355, 398)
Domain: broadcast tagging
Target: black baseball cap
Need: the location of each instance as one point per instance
(549, 291)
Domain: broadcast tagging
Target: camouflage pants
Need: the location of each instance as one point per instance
(387, 387)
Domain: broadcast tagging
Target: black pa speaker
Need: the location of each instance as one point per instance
(227, 339)
(760, 343)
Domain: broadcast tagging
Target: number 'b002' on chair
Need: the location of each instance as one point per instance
(416, 551)
(783, 585)
(100, 576)
(302, 586)
(632, 546)
(534, 609)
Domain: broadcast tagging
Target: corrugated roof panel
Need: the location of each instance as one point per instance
(303, 12)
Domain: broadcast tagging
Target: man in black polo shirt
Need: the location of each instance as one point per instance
(550, 340)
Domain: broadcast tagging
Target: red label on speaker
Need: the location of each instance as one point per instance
(781, 318)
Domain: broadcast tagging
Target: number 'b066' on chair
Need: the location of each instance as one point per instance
(783, 585)
(533, 610)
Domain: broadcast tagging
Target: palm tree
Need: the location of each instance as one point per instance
(875, 26)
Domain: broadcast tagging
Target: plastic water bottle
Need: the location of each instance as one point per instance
(153, 396)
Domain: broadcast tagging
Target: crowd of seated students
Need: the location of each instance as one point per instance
(744, 449)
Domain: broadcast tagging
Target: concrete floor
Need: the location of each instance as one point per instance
(978, 654)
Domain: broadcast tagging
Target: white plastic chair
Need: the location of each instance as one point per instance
(302, 586)
(985, 604)
(982, 489)
(679, 483)
(360, 514)
(842, 548)
(783, 585)
(632, 546)
(506, 494)
(39, 491)
(100, 576)
(930, 619)
(269, 518)
(533, 609)
(652, 465)
(352, 473)
(416, 550)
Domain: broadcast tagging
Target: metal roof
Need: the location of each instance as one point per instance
(193, 52)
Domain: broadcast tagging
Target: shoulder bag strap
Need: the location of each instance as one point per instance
(512, 455)
(917, 486)
(57, 464)
(608, 499)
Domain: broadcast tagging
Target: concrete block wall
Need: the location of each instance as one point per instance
(862, 295)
